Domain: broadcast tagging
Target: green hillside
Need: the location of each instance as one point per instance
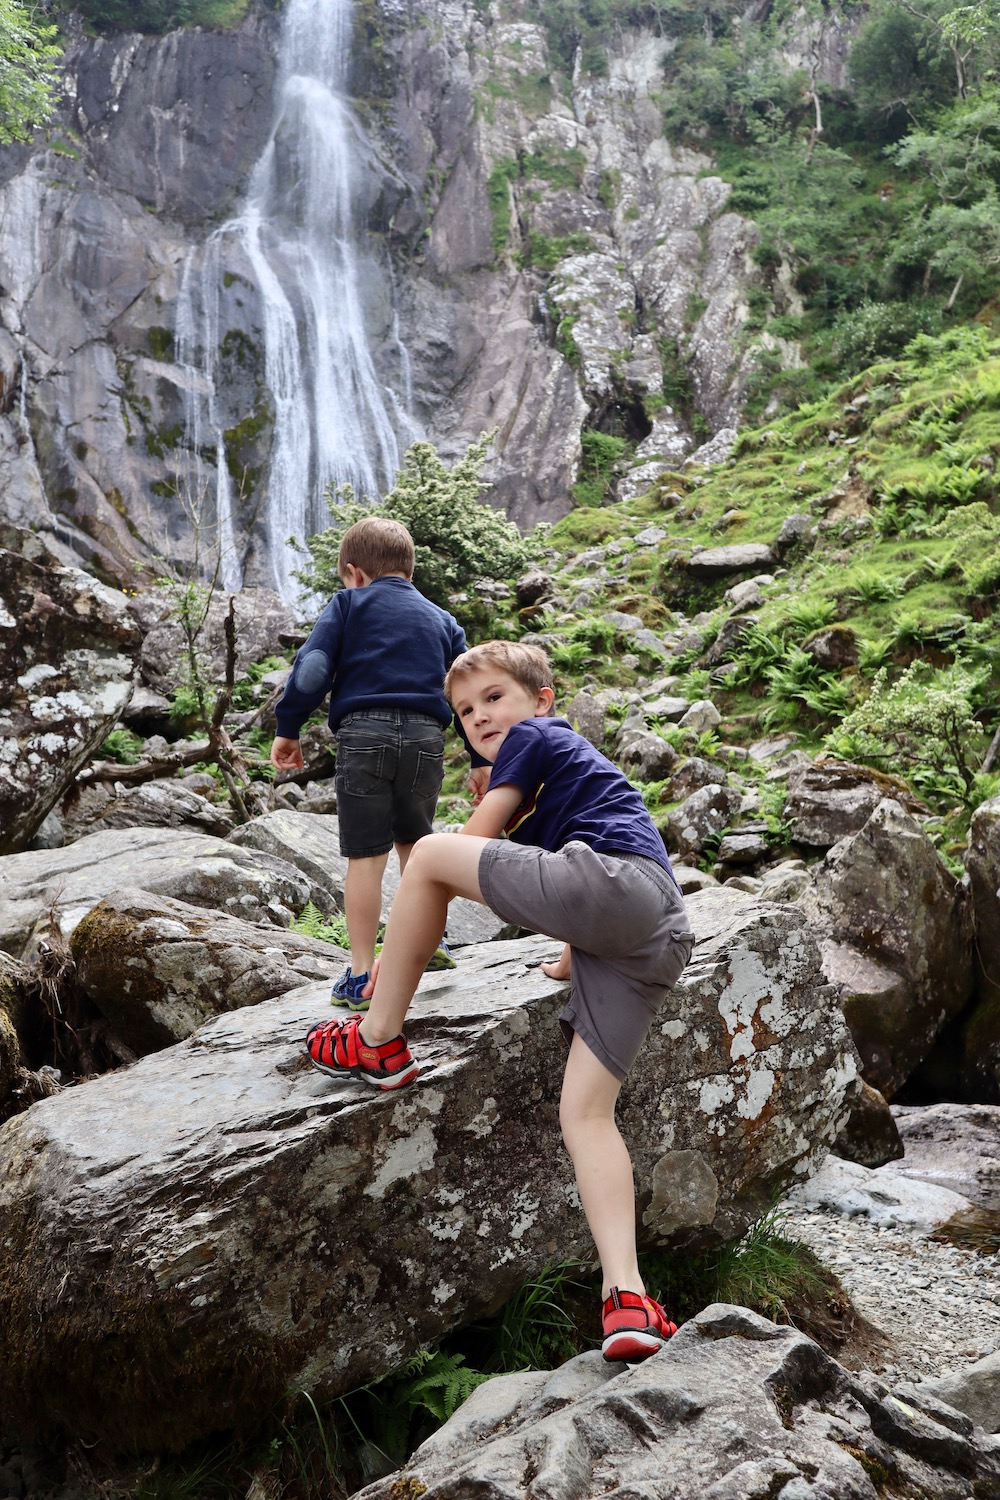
(895, 474)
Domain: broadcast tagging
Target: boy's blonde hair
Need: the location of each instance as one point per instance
(528, 665)
(377, 546)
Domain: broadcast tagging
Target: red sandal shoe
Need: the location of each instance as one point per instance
(338, 1047)
(634, 1326)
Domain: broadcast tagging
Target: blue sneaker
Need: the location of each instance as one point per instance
(440, 959)
(347, 991)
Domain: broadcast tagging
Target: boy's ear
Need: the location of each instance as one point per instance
(546, 698)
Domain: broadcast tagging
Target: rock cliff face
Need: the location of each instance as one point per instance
(548, 250)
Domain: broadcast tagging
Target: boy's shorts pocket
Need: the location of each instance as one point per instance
(360, 769)
(428, 773)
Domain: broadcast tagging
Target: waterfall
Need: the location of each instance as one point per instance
(334, 419)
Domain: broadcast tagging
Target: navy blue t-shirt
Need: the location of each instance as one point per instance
(571, 791)
(382, 646)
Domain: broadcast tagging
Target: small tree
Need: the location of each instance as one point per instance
(928, 718)
(458, 538)
(27, 72)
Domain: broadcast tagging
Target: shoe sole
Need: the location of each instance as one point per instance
(394, 1081)
(630, 1343)
(344, 1002)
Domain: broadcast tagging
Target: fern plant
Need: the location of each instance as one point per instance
(314, 923)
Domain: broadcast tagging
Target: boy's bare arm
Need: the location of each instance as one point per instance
(494, 812)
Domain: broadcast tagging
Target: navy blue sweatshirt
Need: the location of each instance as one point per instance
(381, 646)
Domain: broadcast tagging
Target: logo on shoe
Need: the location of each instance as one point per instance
(368, 1055)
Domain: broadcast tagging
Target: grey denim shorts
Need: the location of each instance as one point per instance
(624, 920)
(390, 765)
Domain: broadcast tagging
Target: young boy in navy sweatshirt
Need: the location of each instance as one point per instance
(582, 861)
(381, 650)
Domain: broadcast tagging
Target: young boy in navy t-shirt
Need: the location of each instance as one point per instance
(582, 862)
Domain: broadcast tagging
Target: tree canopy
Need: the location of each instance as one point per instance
(28, 55)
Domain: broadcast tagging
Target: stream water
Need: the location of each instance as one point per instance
(338, 419)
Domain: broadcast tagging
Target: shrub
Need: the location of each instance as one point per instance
(457, 537)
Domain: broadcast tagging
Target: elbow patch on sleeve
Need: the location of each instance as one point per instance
(312, 672)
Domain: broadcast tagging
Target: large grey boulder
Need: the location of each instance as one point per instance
(224, 1209)
(153, 804)
(158, 969)
(311, 842)
(830, 799)
(978, 1063)
(741, 557)
(895, 933)
(974, 1391)
(261, 616)
(733, 1408)
(64, 884)
(700, 817)
(67, 662)
(956, 1146)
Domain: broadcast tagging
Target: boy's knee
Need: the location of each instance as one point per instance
(425, 854)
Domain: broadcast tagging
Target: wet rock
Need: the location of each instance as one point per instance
(310, 842)
(154, 804)
(65, 884)
(979, 1043)
(736, 1405)
(954, 1145)
(203, 1201)
(974, 1391)
(701, 717)
(67, 651)
(882, 1195)
(829, 799)
(699, 818)
(870, 1136)
(742, 557)
(895, 933)
(158, 969)
(833, 649)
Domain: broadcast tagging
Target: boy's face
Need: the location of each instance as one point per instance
(488, 701)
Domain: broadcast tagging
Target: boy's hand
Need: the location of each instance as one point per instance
(479, 783)
(559, 967)
(286, 754)
(369, 988)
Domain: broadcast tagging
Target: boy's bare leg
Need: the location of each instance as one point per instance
(363, 907)
(602, 1164)
(440, 866)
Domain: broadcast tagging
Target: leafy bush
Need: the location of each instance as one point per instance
(28, 53)
(926, 718)
(160, 15)
(878, 330)
(458, 538)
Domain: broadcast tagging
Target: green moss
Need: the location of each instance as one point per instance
(498, 190)
(161, 343)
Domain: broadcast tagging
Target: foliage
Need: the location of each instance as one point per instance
(314, 923)
(927, 716)
(160, 15)
(457, 537)
(28, 53)
(601, 453)
(122, 745)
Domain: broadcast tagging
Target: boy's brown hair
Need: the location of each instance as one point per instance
(377, 546)
(528, 665)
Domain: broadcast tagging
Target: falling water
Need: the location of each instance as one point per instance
(335, 422)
